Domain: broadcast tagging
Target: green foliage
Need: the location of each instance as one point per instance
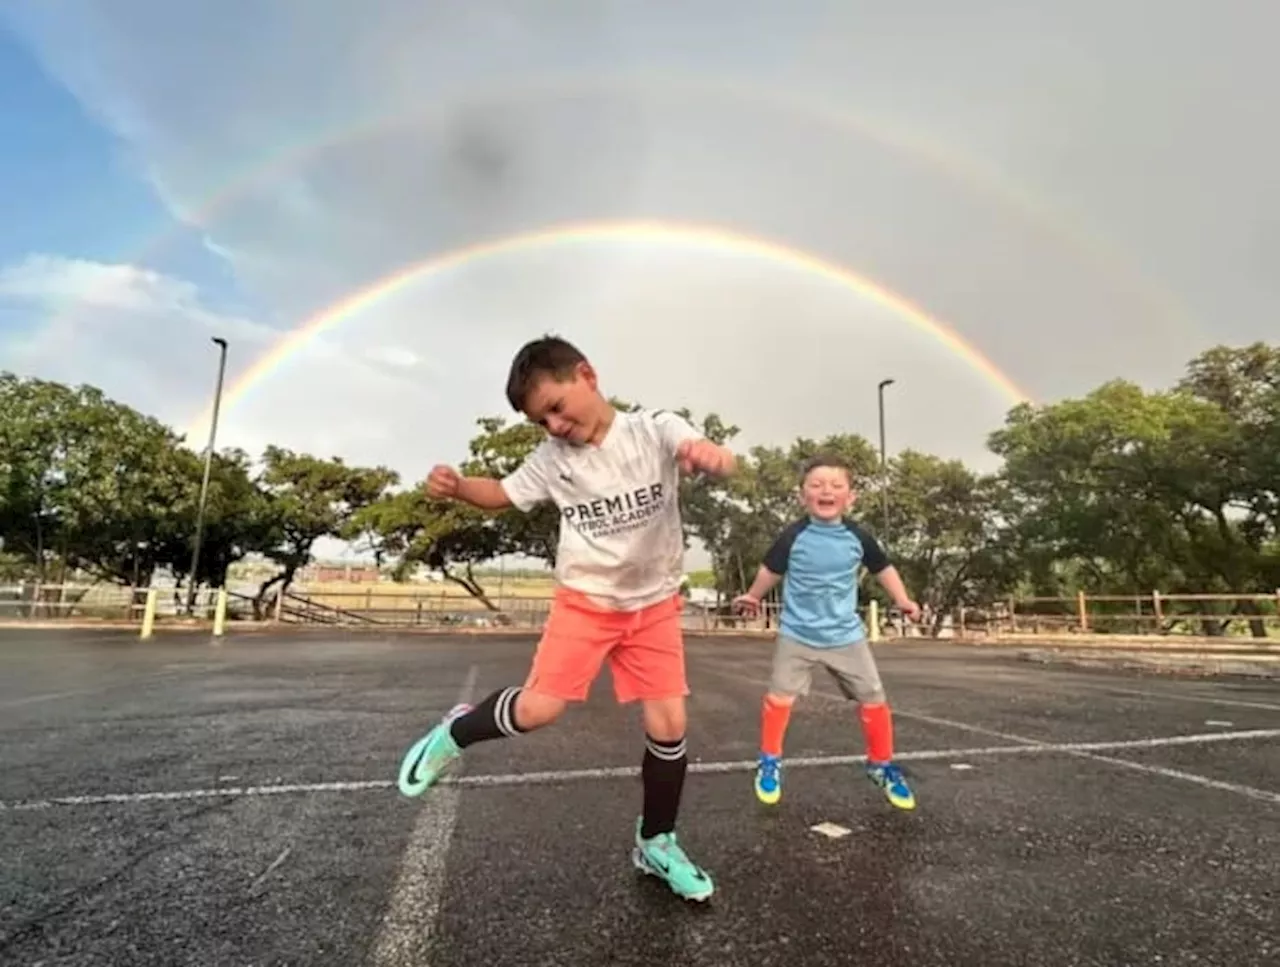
(945, 532)
(452, 537)
(304, 498)
(702, 579)
(1121, 491)
(91, 484)
(737, 519)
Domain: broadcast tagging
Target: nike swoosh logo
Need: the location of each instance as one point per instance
(413, 771)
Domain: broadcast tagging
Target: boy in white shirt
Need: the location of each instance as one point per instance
(615, 479)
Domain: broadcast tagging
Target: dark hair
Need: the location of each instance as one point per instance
(548, 356)
(826, 459)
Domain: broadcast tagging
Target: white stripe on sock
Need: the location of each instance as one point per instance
(668, 753)
(504, 712)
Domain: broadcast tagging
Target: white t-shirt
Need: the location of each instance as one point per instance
(621, 540)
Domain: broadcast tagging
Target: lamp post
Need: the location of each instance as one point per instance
(208, 466)
(884, 465)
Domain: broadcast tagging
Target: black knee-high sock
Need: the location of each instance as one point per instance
(493, 718)
(662, 772)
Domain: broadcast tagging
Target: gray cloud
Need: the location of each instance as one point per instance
(1082, 190)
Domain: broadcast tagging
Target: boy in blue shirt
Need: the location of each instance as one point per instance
(819, 556)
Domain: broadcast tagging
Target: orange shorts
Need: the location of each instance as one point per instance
(645, 650)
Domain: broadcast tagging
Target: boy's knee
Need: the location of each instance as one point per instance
(779, 698)
(534, 710)
(665, 719)
(872, 696)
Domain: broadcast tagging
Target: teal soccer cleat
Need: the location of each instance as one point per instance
(431, 756)
(663, 857)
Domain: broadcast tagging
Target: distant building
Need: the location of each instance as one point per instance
(334, 573)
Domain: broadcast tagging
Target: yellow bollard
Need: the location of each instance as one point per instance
(220, 613)
(873, 619)
(148, 615)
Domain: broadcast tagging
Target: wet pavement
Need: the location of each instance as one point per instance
(182, 801)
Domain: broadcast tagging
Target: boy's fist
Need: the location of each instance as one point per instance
(442, 483)
(705, 456)
(747, 604)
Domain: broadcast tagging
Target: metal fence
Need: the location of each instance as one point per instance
(391, 606)
(33, 601)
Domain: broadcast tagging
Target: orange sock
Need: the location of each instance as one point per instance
(773, 725)
(877, 731)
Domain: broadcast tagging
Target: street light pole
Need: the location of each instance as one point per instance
(884, 464)
(204, 484)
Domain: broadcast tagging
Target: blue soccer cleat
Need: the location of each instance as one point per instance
(890, 779)
(769, 779)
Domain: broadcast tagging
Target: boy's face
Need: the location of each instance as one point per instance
(569, 408)
(827, 493)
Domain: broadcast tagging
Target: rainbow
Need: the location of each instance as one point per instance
(706, 237)
(941, 159)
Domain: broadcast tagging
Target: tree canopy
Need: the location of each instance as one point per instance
(1120, 491)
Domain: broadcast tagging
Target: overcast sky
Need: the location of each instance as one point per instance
(1082, 191)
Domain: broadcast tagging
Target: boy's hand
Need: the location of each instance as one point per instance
(747, 603)
(910, 609)
(442, 483)
(705, 456)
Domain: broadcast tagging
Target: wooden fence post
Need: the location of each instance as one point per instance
(1082, 612)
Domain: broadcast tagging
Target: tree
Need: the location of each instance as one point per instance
(737, 519)
(89, 481)
(1244, 385)
(237, 519)
(1141, 490)
(307, 498)
(452, 537)
(497, 451)
(1078, 474)
(945, 532)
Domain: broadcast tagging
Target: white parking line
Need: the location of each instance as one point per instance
(454, 783)
(1178, 697)
(404, 936)
(1074, 749)
(147, 679)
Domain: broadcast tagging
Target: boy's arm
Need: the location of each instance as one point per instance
(445, 483)
(878, 563)
(770, 571)
(483, 492)
(765, 582)
(694, 451)
(706, 456)
(891, 581)
(523, 488)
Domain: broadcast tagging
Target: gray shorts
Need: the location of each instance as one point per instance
(852, 666)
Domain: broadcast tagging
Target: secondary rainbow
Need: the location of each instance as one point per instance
(709, 238)
(968, 172)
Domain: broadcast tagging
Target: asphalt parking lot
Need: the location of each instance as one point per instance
(181, 801)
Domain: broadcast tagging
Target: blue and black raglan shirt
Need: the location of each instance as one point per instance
(819, 563)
